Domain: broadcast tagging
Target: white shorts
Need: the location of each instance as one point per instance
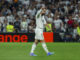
(39, 34)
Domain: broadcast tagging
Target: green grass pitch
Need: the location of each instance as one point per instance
(20, 51)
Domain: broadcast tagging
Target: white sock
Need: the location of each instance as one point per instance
(45, 47)
(33, 48)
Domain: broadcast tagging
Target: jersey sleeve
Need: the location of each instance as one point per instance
(44, 20)
(38, 14)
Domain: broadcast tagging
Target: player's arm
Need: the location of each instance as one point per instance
(38, 14)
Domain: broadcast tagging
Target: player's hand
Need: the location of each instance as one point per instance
(51, 30)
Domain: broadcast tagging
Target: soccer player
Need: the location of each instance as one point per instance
(40, 24)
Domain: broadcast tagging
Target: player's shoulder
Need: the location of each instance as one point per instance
(39, 10)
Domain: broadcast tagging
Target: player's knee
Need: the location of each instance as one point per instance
(43, 41)
(36, 42)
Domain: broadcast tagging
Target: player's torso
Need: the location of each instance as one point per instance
(40, 22)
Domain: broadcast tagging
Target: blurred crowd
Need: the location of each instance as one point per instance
(19, 15)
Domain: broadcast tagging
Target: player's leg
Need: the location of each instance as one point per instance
(45, 48)
(35, 42)
(33, 48)
(43, 43)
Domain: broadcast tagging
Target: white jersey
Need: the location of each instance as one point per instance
(57, 23)
(40, 20)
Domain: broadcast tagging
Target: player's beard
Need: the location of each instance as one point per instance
(43, 14)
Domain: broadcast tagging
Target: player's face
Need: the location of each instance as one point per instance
(43, 11)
